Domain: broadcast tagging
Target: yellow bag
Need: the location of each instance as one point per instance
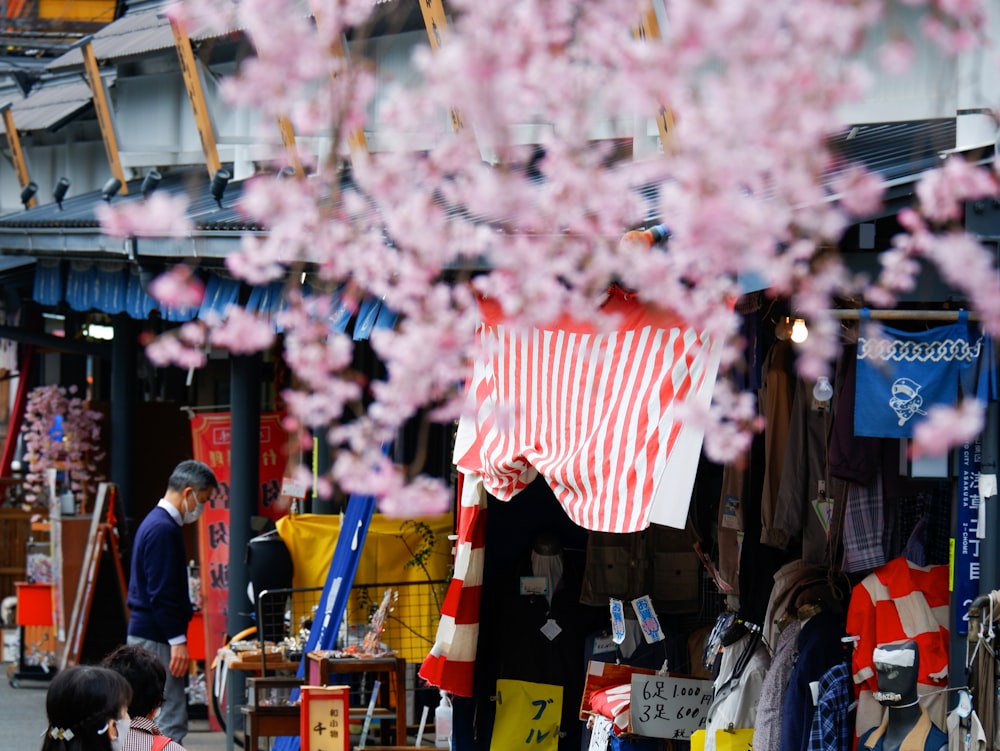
(740, 739)
(698, 740)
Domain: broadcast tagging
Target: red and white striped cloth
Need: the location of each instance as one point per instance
(450, 664)
(595, 413)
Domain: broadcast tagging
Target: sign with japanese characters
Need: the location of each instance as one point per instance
(665, 706)
(324, 719)
(211, 438)
(965, 545)
(528, 716)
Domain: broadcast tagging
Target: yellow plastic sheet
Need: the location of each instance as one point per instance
(412, 552)
(528, 716)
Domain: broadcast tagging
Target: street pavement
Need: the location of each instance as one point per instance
(22, 720)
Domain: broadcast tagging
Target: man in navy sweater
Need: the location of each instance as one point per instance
(158, 585)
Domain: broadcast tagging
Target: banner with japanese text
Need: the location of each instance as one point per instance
(211, 437)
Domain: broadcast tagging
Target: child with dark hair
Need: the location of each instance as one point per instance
(87, 709)
(147, 677)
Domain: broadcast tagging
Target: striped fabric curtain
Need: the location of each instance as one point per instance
(599, 414)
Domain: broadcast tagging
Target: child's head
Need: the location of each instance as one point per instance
(145, 674)
(82, 704)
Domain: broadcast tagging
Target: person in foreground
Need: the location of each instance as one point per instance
(905, 725)
(158, 586)
(147, 677)
(87, 709)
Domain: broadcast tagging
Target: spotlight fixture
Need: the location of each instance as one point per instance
(150, 182)
(799, 331)
(28, 192)
(62, 187)
(111, 188)
(220, 180)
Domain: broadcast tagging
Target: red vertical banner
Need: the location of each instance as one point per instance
(211, 437)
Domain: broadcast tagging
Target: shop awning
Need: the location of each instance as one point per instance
(52, 102)
(133, 35)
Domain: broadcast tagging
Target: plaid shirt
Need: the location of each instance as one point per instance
(140, 736)
(832, 726)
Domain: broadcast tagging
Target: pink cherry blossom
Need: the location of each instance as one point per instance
(159, 215)
(946, 427)
(179, 288)
(242, 332)
(439, 215)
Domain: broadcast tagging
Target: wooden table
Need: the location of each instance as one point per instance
(322, 669)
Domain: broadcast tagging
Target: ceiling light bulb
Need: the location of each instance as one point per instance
(799, 331)
(823, 390)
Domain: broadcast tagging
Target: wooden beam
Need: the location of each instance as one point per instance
(196, 95)
(356, 140)
(16, 152)
(104, 118)
(437, 30)
(649, 28)
(291, 148)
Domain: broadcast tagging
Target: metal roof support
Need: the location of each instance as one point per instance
(103, 109)
(16, 152)
(196, 95)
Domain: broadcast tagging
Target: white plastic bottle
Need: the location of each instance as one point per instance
(442, 722)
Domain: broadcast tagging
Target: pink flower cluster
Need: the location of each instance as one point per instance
(755, 91)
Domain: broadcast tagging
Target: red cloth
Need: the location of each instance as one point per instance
(613, 702)
(898, 602)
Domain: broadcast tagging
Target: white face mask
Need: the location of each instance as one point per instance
(190, 517)
(122, 726)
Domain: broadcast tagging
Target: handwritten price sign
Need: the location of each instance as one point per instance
(669, 707)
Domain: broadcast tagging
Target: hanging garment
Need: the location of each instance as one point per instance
(803, 513)
(794, 583)
(767, 729)
(775, 403)
(852, 458)
(898, 602)
(864, 527)
(925, 736)
(902, 374)
(729, 533)
(819, 649)
(833, 723)
(965, 734)
(597, 413)
(737, 689)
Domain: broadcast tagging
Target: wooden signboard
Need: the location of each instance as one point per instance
(324, 718)
(102, 576)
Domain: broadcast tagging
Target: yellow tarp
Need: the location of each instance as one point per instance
(390, 554)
